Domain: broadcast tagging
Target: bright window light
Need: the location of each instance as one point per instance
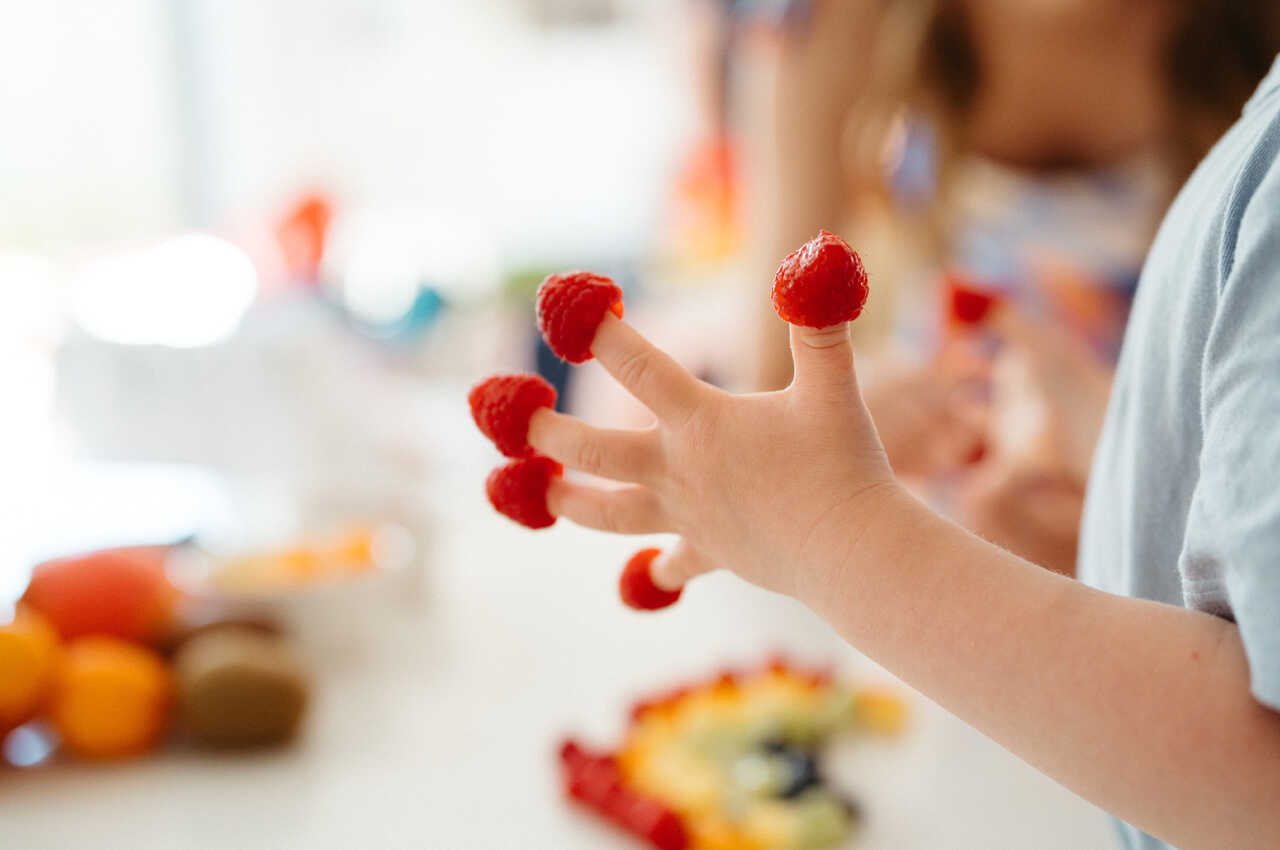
(188, 291)
(27, 289)
(381, 259)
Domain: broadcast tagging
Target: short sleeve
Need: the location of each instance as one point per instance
(1231, 556)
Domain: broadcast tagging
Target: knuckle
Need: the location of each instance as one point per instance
(636, 461)
(588, 456)
(699, 427)
(648, 513)
(612, 517)
(635, 369)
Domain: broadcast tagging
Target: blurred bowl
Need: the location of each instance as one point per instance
(329, 595)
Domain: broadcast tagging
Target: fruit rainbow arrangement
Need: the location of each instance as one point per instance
(732, 763)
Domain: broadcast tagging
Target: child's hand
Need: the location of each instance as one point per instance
(771, 486)
(1050, 395)
(927, 425)
(1033, 513)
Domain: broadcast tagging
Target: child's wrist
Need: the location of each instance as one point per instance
(876, 529)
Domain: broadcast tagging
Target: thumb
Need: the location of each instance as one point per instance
(823, 359)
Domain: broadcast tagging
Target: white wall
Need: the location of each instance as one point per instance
(125, 119)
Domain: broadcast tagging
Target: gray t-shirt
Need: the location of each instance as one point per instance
(1184, 496)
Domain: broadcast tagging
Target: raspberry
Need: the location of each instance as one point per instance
(636, 586)
(502, 406)
(571, 307)
(519, 490)
(820, 285)
(596, 780)
(967, 304)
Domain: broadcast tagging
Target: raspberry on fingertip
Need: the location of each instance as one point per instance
(518, 490)
(502, 406)
(821, 284)
(636, 586)
(570, 307)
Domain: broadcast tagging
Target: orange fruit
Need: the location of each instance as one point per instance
(28, 659)
(111, 698)
(120, 592)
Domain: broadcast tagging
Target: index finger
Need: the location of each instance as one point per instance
(646, 371)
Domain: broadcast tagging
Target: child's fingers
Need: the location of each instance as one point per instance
(963, 361)
(624, 510)
(617, 454)
(677, 565)
(953, 448)
(648, 373)
(823, 358)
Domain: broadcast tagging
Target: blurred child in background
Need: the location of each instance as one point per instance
(1028, 149)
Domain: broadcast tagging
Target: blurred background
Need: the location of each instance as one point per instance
(207, 206)
(252, 256)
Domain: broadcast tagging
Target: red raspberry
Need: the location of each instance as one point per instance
(820, 285)
(502, 406)
(571, 307)
(636, 586)
(968, 304)
(519, 490)
(596, 780)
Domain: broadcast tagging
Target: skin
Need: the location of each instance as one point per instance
(1069, 83)
(793, 491)
(1049, 397)
(930, 421)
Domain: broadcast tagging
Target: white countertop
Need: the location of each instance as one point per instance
(436, 727)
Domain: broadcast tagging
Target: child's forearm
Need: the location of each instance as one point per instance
(1140, 707)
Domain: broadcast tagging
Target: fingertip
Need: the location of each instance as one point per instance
(675, 567)
(557, 491)
(539, 424)
(823, 357)
(664, 572)
(638, 586)
(820, 339)
(609, 326)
